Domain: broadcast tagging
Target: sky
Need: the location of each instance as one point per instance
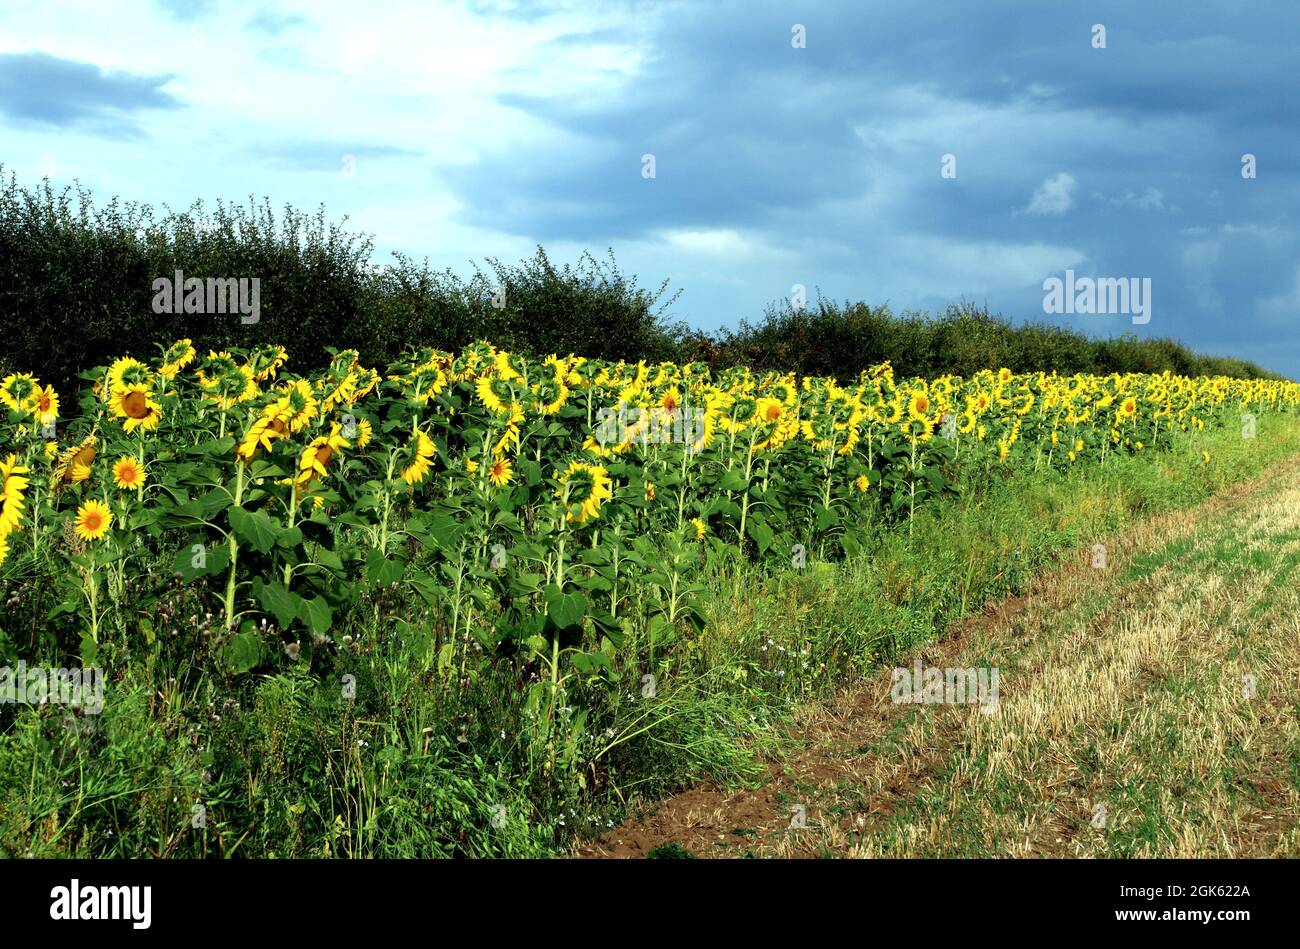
(912, 154)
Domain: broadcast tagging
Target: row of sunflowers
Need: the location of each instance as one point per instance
(556, 508)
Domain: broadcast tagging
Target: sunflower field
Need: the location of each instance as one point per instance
(520, 500)
(552, 517)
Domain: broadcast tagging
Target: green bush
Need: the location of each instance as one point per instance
(76, 279)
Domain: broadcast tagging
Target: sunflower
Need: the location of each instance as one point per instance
(12, 484)
(128, 474)
(21, 392)
(298, 401)
(425, 383)
(584, 488)
(317, 454)
(549, 396)
(501, 472)
(862, 483)
(419, 450)
(93, 520)
(47, 406)
(179, 355)
(1127, 409)
(365, 433)
(510, 436)
(135, 404)
(4, 549)
(700, 528)
(75, 464)
(496, 394)
(265, 361)
(337, 388)
(225, 381)
(127, 372)
(918, 406)
(649, 491)
(265, 430)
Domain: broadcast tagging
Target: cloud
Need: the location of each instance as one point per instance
(187, 11)
(1054, 196)
(39, 89)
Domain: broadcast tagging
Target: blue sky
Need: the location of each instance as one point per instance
(479, 129)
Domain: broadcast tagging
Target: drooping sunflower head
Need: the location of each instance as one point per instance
(496, 393)
(12, 485)
(176, 357)
(337, 387)
(74, 464)
(299, 403)
(549, 396)
(417, 454)
(510, 365)
(583, 488)
(318, 454)
(266, 360)
(225, 381)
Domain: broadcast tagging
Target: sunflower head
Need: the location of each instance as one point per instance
(583, 488)
(128, 473)
(93, 520)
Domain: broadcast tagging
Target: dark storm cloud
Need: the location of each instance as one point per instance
(841, 142)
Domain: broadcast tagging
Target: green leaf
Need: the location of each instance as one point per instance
(315, 614)
(383, 570)
(254, 528)
(244, 652)
(589, 663)
(275, 599)
(565, 610)
(207, 561)
(761, 533)
(733, 480)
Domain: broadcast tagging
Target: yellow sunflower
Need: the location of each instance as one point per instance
(75, 464)
(134, 403)
(128, 473)
(419, 450)
(12, 484)
(584, 488)
(47, 406)
(93, 520)
(179, 355)
(501, 472)
(317, 454)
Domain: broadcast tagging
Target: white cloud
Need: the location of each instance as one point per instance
(1054, 196)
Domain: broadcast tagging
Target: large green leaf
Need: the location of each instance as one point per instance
(278, 601)
(254, 528)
